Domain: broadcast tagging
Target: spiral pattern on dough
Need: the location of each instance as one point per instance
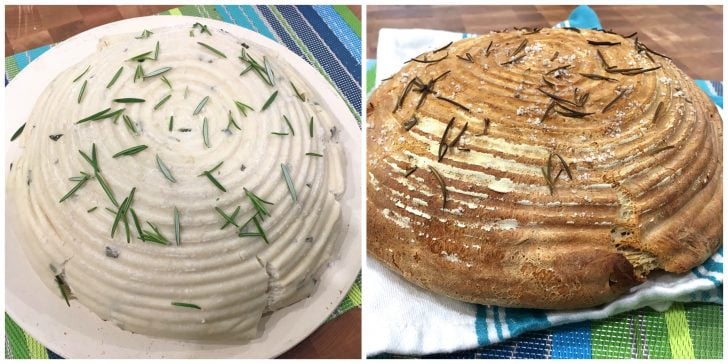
(576, 162)
(233, 279)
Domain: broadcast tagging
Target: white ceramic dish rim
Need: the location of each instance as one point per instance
(76, 332)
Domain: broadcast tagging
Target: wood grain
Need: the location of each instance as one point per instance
(28, 27)
(691, 35)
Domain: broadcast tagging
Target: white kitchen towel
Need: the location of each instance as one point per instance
(405, 319)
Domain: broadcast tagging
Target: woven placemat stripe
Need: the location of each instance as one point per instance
(321, 30)
(568, 341)
(611, 339)
(678, 332)
(342, 29)
(707, 338)
(16, 337)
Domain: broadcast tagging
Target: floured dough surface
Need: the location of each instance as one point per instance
(213, 284)
(549, 169)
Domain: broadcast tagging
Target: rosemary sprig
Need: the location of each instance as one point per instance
(621, 93)
(203, 28)
(442, 48)
(258, 203)
(162, 101)
(261, 233)
(565, 165)
(154, 236)
(425, 60)
(548, 109)
(145, 34)
(487, 50)
(602, 43)
(230, 219)
(242, 107)
(300, 95)
(453, 102)
(212, 179)
(443, 146)
(404, 93)
(201, 105)
(289, 182)
(130, 151)
(520, 47)
(122, 211)
(205, 134)
(310, 127)
(128, 100)
(556, 97)
(269, 101)
(106, 188)
(103, 114)
(17, 132)
(116, 76)
(442, 185)
(166, 82)
(177, 237)
(165, 171)
(571, 113)
(468, 57)
(457, 137)
(314, 154)
(171, 122)
(592, 76)
(232, 121)
(213, 50)
(63, 287)
(83, 73)
(604, 61)
(157, 72)
(130, 125)
(93, 161)
(138, 73)
(290, 127)
(82, 181)
(639, 71)
(83, 89)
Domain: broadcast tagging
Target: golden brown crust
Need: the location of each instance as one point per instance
(643, 150)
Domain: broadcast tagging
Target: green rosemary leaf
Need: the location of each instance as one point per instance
(269, 101)
(201, 105)
(63, 286)
(177, 238)
(300, 95)
(278, 133)
(260, 230)
(154, 236)
(74, 188)
(106, 188)
(130, 125)
(83, 89)
(116, 76)
(289, 125)
(156, 51)
(215, 168)
(289, 182)
(141, 57)
(136, 223)
(214, 181)
(314, 154)
(258, 203)
(242, 107)
(89, 160)
(166, 81)
(310, 127)
(145, 34)
(229, 220)
(250, 67)
(203, 28)
(76, 178)
(92, 209)
(121, 213)
(213, 50)
(97, 116)
(18, 132)
(205, 133)
(232, 121)
(130, 151)
(139, 73)
(162, 101)
(83, 73)
(157, 72)
(269, 71)
(188, 305)
(114, 115)
(165, 171)
(128, 100)
(171, 122)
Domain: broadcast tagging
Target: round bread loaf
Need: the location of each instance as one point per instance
(553, 168)
(201, 199)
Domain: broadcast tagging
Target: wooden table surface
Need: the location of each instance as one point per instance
(28, 27)
(691, 35)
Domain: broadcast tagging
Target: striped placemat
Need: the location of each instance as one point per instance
(327, 37)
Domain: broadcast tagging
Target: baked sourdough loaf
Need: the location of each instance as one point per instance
(229, 214)
(546, 169)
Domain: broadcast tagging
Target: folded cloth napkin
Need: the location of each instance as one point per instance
(405, 319)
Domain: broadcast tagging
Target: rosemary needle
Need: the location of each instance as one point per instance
(242, 107)
(205, 134)
(289, 182)
(63, 286)
(301, 96)
(232, 121)
(213, 50)
(177, 238)
(171, 122)
(228, 219)
(157, 72)
(81, 75)
(201, 105)
(75, 188)
(116, 76)
(214, 181)
(289, 125)
(314, 154)
(130, 125)
(269, 101)
(166, 81)
(188, 305)
(106, 188)
(162, 101)
(139, 73)
(128, 100)
(165, 171)
(130, 151)
(310, 127)
(17, 133)
(83, 89)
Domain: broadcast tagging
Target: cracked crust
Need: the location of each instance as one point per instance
(647, 171)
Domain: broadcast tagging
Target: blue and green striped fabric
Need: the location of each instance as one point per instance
(327, 37)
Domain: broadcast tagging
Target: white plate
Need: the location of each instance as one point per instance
(76, 332)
